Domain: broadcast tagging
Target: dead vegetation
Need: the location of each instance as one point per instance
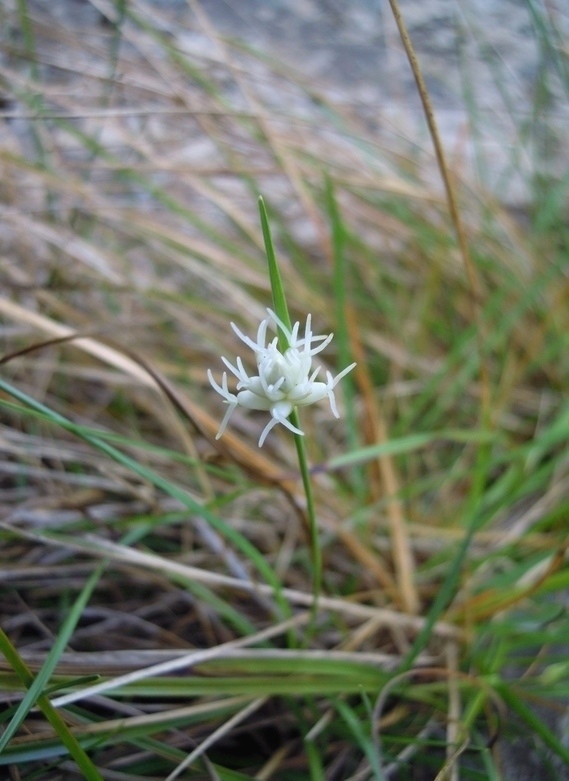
(160, 579)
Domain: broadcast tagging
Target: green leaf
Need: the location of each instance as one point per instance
(277, 289)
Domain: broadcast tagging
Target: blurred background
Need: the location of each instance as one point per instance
(135, 139)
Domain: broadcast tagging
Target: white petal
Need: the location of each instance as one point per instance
(281, 409)
(271, 390)
(279, 412)
(285, 378)
(241, 368)
(222, 389)
(282, 326)
(317, 392)
(343, 373)
(294, 335)
(225, 420)
(308, 330)
(271, 424)
(247, 398)
(332, 400)
(249, 342)
(233, 369)
(325, 343)
(286, 422)
(255, 386)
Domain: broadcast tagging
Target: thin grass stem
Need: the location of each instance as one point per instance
(452, 200)
(281, 309)
(90, 772)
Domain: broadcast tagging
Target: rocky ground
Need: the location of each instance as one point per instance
(495, 79)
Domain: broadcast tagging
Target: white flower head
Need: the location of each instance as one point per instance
(284, 380)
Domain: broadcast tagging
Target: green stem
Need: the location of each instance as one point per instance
(315, 551)
(281, 309)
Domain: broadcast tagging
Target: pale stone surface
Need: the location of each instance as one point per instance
(500, 102)
(488, 50)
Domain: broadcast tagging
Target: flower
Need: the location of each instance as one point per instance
(284, 379)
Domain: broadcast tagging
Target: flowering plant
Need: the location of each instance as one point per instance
(284, 379)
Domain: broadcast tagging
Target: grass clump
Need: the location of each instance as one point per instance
(162, 609)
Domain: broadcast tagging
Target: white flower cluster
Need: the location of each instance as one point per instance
(284, 380)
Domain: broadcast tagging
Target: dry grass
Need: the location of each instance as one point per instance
(131, 158)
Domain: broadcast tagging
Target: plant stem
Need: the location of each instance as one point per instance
(281, 309)
(452, 201)
(311, 515)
